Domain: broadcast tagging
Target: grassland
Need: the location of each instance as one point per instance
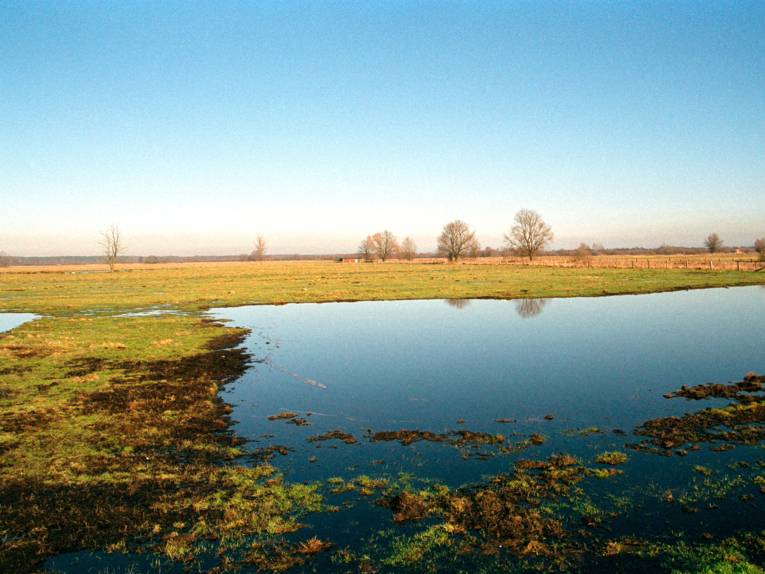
(112, 432)
(196, 287)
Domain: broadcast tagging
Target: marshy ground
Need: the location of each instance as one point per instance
(114, 436)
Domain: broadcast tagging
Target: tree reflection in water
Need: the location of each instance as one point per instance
(528, 308)
(458, 303)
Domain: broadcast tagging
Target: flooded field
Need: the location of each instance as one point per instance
(488, 435)
(455, 391)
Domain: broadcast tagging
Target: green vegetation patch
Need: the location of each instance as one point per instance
(114, 437)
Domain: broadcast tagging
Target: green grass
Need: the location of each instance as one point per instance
(195, 287)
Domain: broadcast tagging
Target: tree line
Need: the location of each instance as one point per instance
(527, 237)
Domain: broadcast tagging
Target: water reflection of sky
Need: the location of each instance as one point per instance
(422, 364)
(10, 321)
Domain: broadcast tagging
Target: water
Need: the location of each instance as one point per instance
(553, 367)
(430, 365)
(10, 321)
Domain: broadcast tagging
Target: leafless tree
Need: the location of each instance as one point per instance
(713, 243)
(111, 242)
(384, 245)
(473, 249)
(366, 248)
(457, 240)
(527, 308)
(759, 247)
(583, 254)
(5, 259)
(529, 235)
(598, 249)
(259, 253)
(408, 249)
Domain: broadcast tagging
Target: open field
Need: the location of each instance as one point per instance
(112, 432)
(203, 285)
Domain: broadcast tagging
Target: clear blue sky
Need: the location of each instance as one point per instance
(197, 125)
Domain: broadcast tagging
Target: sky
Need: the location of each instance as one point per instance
(196, 126)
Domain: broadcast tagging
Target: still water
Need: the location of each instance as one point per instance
(579, 375)
(10, 321)
(554, 368)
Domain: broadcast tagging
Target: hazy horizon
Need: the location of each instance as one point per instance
(197, 126)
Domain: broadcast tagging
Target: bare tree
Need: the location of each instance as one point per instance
(384, 245)
(759, 247)
(583, 254)
(529, 235)
(408, 249)
(111, 242)
(456, 240)
(259, 253)
(598, 249)
(473, 249)
(713, 243)
(366, 248)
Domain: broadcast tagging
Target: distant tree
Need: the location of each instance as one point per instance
(583, 253)
(713, 243)
(5, 259)
(111, 242)
(366, 248)
(598, 249)
(259, 252)
(759, 247)
(457, 240)
(408, 249)
(529, 235)
(474, 249)
(384, 245)
(488, 252)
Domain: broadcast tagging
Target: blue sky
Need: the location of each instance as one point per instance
(197, 125)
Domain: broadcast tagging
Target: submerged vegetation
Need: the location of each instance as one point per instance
(723, 427)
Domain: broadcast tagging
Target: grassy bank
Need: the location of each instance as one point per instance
(199, 286)
(112, 432)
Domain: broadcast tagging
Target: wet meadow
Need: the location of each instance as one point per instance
(450, 430)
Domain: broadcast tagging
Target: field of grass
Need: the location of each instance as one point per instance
(112, 432)
(61, 290)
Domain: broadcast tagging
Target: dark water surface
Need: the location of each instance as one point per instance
(553, 367)
(588, 362)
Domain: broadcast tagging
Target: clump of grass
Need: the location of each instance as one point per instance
(613, 458)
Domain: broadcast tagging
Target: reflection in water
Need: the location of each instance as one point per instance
(528, 308)
(458, 303)
(464, 376)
